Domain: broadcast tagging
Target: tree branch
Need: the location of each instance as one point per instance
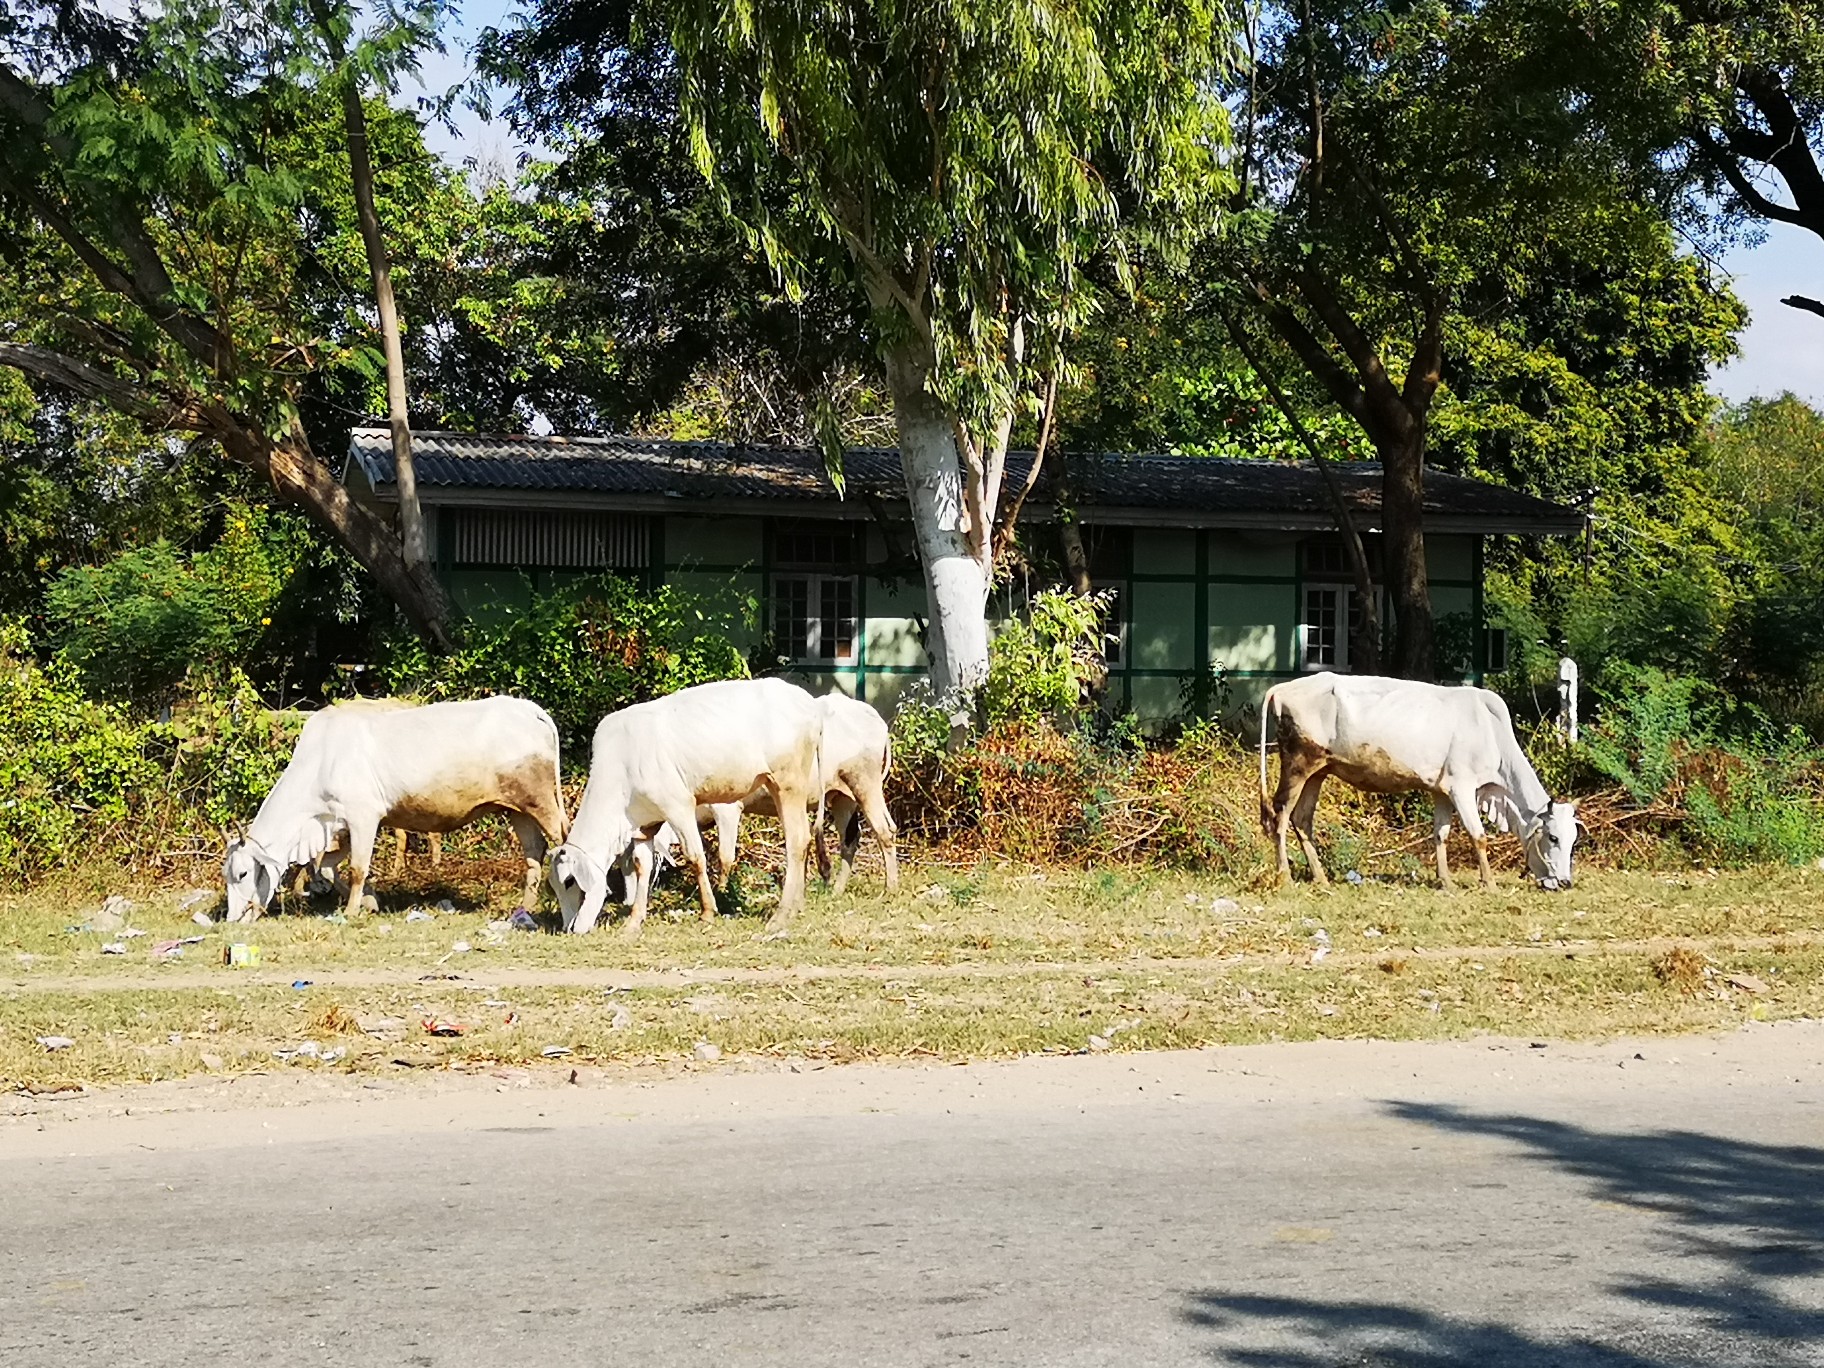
(1790, 151)
(149, 283)
(1380, 396)
(1342, 387)
(1803, 302)
(1010, 516)
(1750, 194)
(66, 371)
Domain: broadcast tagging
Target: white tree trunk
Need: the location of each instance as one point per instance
(955, 586)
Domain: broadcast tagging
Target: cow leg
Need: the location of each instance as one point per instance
(797, 823)
(1470, 814)
(531, 835)
(690, 836)
(399, 850)
(1292, 777)
(644, 858)
(329, 876)
(1302, 814)
(880, 822)
(1442, 813)
(843, 812)
(436, 840)
(728, 833)
(360, 860)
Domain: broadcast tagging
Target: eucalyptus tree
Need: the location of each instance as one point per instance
(965, 158)
(161, 203)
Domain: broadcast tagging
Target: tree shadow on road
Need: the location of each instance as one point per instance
(1748, 1219)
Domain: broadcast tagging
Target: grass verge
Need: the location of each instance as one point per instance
(995, 962)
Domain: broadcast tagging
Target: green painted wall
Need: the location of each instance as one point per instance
(1195, 600)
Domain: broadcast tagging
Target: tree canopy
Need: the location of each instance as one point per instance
(958, 163)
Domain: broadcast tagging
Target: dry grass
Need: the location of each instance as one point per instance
(146, 1034)
(1682, 968)
(961, 964)
(993, 915)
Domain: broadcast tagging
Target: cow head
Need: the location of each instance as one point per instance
(251, 874)
(581, 884)
(1548, 845)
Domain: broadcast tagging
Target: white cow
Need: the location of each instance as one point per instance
(855, 757)
(433, 769)
(1395, 736)
(653, 763)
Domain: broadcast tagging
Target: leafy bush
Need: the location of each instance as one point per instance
(136, 625)
(1736, 788)
(583, 651)
(84, 780)
(67, 764)
(1042, 666)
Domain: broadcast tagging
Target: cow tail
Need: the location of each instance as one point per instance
(1269, 820)
(822, 798)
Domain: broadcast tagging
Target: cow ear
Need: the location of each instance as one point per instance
(265, 879)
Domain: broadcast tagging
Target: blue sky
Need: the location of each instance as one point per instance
(1782, 348)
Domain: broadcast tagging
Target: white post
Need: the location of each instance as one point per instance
(1567, 698)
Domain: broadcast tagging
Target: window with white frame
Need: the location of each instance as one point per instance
(1114, 625)
(815, 590)
(1324, 629)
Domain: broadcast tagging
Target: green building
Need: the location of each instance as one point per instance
(1228, 570)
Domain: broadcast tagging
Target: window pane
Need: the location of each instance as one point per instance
(792, 616)
(816, 546)
(1114, 627)
(1323, 628)
(838, 613)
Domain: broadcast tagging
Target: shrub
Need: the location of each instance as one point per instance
(583, 651)
(1733, 786)
(67, 763)
(136, 625)
(85, 781)
(1043, 665)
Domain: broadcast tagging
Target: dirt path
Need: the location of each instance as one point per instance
(597, 977)
(209, 1113)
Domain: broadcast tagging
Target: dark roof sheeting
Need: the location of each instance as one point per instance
(1193, 490)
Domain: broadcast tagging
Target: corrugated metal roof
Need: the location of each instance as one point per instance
(640, 470)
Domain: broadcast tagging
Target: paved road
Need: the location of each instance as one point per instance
(1319, 1205)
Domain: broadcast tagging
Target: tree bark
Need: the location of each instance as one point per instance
(1070, 531)
(1365, 644)
(1403, 548)
(955, 583)
(301, 478)
(361, 178)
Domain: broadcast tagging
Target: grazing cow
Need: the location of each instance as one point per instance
(855, 755)
(654, 763)
(1396, 736)
(430, 769)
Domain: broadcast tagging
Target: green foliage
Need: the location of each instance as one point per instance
(86, 781)
(1750, 791)
(1042, 664)
(136, 625)
(1649, 720)
(79, 483)
(583, 651)
(67, 764)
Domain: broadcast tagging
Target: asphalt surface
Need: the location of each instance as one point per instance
(1351, 1205)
